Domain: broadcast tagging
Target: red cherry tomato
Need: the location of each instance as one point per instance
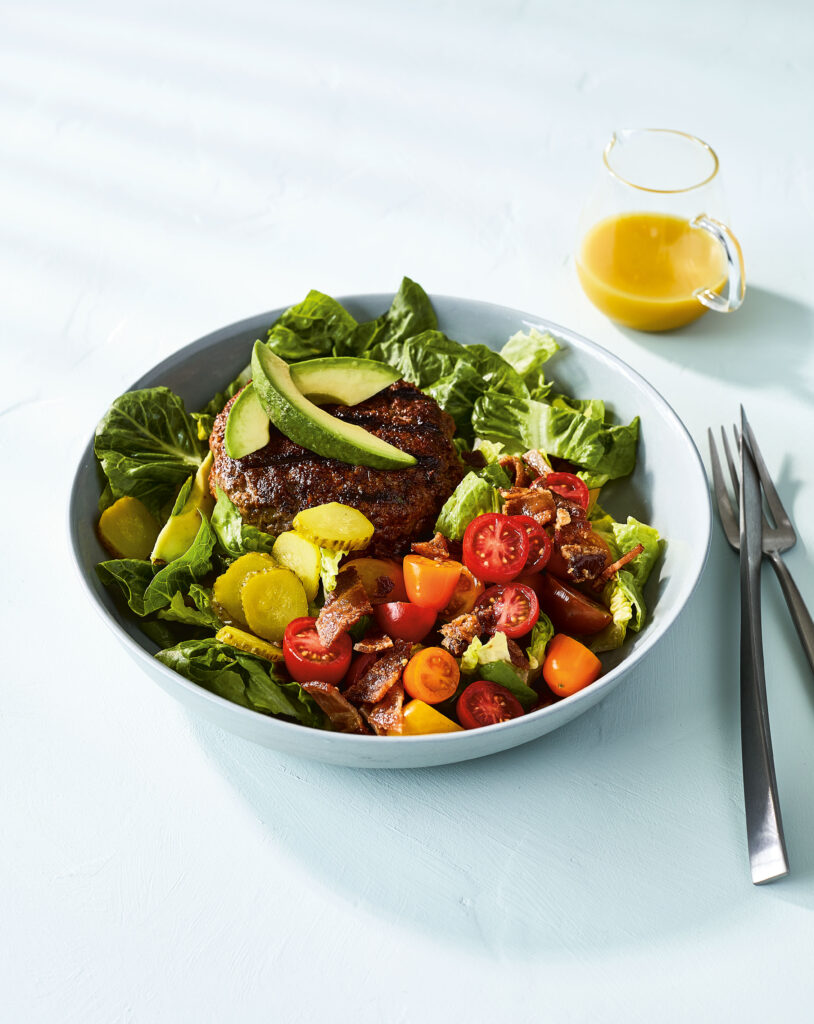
(484, 703)
(307, 660)
(568, 485)
(495, 548)
(569, 610)
(515, 607)
(539, 543)
(405, 621)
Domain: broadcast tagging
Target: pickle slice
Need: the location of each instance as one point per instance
(271, 599)
(226, 590)
(335, 526)
(249, 644)
(127, 529)
(301, 556)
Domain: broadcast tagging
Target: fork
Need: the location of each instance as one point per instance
(778, 536)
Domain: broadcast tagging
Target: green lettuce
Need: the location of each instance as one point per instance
(526, 352)
(233, 535)
(472, 497)
(329, 567)
(627, 536)
(317, 326)
(243, 679)
(492, 661)
(410, 313)
(541, 634)
(199, 613)
(147, 445)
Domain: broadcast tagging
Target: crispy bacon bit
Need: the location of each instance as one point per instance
(460, 632)
(381, 675)
(536, 502)
(563, 518)
(373, 644)
(475, 459)
(437, 548)
(628, 556)
(585, 556)
(387, 717)
(344, 607)
(384, 584)
(343, 715)
(516, 470)
(518, 659)
(537, 462)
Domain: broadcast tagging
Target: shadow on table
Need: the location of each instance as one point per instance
(619, 830)
(768, 343)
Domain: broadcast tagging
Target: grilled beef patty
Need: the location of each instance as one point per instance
(270, 486)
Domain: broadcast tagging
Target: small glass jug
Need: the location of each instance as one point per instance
(654, 250)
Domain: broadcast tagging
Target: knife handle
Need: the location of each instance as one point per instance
(764, 825)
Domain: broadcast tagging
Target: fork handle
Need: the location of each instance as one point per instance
(800, 615)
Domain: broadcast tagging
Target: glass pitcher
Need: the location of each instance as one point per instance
(654, 250)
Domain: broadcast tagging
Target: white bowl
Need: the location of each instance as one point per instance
(668, 489)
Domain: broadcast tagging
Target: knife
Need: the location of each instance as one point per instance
(764, 826)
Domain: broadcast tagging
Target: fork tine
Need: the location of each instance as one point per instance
(772, 497)
(733, 470)
(725, 509)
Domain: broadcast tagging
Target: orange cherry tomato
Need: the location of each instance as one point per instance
(467, 591)
(432, 675)
(429, 583)
(569, 666)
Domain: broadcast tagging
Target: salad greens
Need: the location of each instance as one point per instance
(150, 447)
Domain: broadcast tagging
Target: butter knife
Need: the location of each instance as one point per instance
(764, 826)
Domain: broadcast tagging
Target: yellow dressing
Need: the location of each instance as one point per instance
(642, 269)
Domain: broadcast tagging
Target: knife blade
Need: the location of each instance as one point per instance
(764, 827)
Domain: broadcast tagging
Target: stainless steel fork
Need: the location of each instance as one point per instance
(778, 536)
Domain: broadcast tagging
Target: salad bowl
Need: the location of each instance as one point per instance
(667, 488)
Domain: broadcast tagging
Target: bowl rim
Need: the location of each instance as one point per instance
(352, 741)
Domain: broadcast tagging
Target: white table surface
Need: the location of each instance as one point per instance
(169, 168)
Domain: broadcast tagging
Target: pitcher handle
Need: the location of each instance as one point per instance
(736, 275)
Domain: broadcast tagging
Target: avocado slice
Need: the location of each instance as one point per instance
(182, 527)
(313, 428)
(342, 380)
(247, 425)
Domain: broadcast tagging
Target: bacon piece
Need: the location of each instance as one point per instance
(437, 548)
(537, 462)
(516, 470)
(344, 607)
(585, 556)
(383, 586)
(536, 502)
(381, 675)
(461, 631)
(387, 717)
(343, 715)
(628, 556)
(373, 644)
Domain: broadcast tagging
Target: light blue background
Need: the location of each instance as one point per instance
(165, 170)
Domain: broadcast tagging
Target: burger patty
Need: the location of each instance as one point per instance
(270, 486)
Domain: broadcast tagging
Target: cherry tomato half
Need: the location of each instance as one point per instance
(404, 621)
(568, 609)
(429, 583)
(569, 666)
(484, 703)
(568, 485)
(515, 607)
(495, 548)
(539, 543)
(467, 590)
(432, 675)
(307, 660)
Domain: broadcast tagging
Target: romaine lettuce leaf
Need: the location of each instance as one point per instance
(243, 679)
(627, 536)
(233, 535)
(619, 600)
(329, 567)
(148, 445)
(317, 326)
(526, 352)
(132, 576)
(472, 497)
(541, 634)
(199, 614)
